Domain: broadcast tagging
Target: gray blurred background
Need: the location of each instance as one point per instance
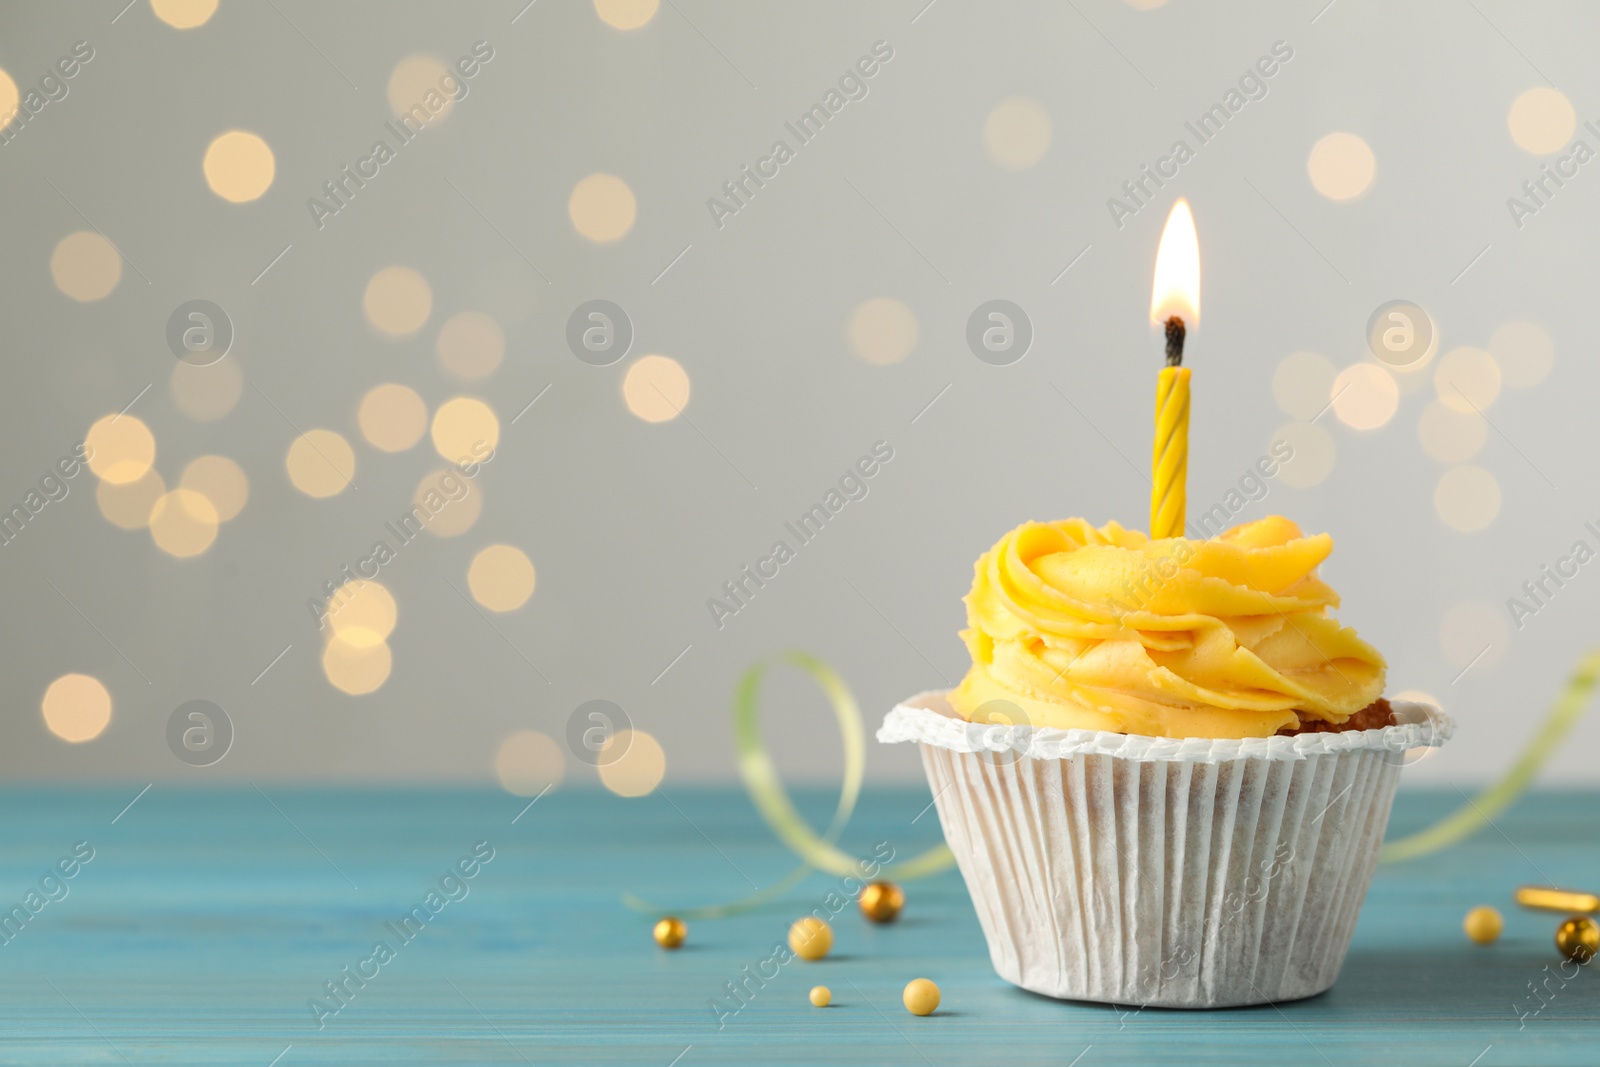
(977, 166)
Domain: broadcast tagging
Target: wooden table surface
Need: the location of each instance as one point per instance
(206, 922)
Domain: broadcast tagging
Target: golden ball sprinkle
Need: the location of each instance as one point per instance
(881, 902)
(821, 996)
(1578, 939)
(670, 932)
(921, 996)
(810, 938)
(1483, 924)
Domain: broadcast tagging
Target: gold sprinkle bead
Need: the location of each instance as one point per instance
(881, 902)
(810, 938)
(921, 996)
(821, 996)
(1483, 924)
(670, 932)
(1550, 899)
(1578, 939)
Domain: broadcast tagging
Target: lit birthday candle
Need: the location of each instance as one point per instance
(1175, 306)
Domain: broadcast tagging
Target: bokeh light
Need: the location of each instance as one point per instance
(398, 301)
(1313, 456)
(501, 578)
(1541, 121)
(602, 208)
(76, 708)
(1473, 633)
(1341, 166)
(362, 612)
(1467, 498)
(239, 166)
(1467, 379)
(416, 81)
(1365, 396)
(1524, 352)
(184, 14)
(465, 430)
(85, 266)
(882, 330)
(1302, 385)
(9, 99)
(1017, 133)
(626, 14)
(183, 523)
(392, 417)
(528, 762)
(1451, 436)
(450, 502)
(121, 448)
(321, 463)
(207, 393)
(221, 481)
(656, 388)
(356, 669)
(638, 770)
(471, 345)
(127, 505)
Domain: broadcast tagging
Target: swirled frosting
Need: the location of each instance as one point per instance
(1076, 627)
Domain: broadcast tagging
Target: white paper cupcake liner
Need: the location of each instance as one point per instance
(1152, 871)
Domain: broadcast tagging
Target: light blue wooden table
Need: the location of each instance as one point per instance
(207, 920)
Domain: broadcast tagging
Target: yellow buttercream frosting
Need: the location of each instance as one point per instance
(1105, 629)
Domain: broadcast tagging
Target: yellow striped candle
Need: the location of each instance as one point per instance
(1174, 305)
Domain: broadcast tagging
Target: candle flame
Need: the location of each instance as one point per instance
(1177, 285)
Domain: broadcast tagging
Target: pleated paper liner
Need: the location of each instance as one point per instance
(1188, 873)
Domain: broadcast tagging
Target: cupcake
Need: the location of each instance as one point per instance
(1166, 777)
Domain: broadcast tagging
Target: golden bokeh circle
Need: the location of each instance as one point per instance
(527, 763)
(183, 523)
(416, 82)
(85, 266)
(184, 14)
(1313, 454)
(397, 301)
(446, 503)
(1467, 379)
(207, 393)
(501, 578)
(121, 448)
(638, 770)
(321, 463)
(1524, 352)
(239, 166)
(471, 345)
(656, 388)
(362, 612)
(1341, 166)
(1364, 396)
(9, 99)
(626, 14)
(602, 208)
(221, 481)
(1017, 133)
(465, 430)
(882, 330)
(127, 505)
(76, 708)
(1451, 436)
(356, 668)
(1542, 121)
(1467, 498)
(392, 417)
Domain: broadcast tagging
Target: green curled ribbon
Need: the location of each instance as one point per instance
(817, 852)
